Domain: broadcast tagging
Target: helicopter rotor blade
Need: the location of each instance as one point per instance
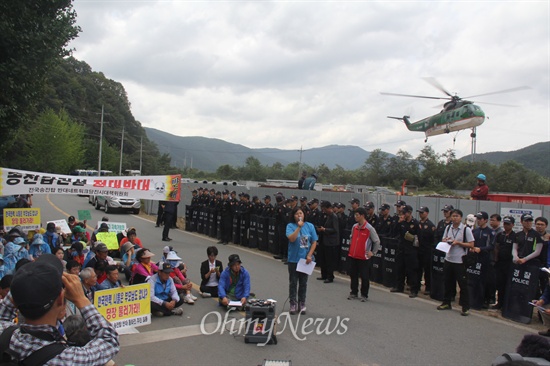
(501, 91)
(437, 85)
(412, 96)
(501, 105)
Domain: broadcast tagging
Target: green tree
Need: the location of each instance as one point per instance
(375, 167)
(52, 144)
(33, 37)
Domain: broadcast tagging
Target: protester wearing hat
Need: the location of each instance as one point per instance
(39, 289)
(165, 300)
(470, 221)
(182, 283)
(128, 254)
(14, 251)
(481, 190)
(51, 237)
(144, 268)
(210, 273)
(426, 232)
(384, 223)
(76, 252)
(79, 234)
(406, 261)
(38, 247)
(234, 284)
(101, 251)
(504, 242)
(528, 245)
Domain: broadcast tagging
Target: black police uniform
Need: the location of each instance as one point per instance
(407, 257)
(426, 235)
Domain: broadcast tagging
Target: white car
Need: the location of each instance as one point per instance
(112, 203)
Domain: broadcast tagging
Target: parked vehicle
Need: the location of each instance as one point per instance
(112, 203)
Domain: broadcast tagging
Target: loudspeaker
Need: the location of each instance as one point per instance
(260, 325)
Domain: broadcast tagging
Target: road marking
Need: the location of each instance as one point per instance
(128, 340)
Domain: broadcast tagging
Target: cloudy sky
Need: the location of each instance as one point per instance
(286, 74)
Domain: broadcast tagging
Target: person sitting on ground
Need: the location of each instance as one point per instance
(38, 247)
(128, 253)
(39, 290)
(210, 273)
(165, 300)
(89, 280)
(234, 284)
(183, 284)
(79, 234)
(76, 332)
(131, 236)
(544, 301)
(103, 228)
(52, 238)
(101, 251)
(60, 253)
(111, 281)
(144, 268)
(100, 269)
(76, 252)
(73, 267)
(14, 251)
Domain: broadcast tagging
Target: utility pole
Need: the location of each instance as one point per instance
(141, 155)
(121, 146)
(100, 142)
(300, 165)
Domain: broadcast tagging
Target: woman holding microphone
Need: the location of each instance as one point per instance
(302, 240)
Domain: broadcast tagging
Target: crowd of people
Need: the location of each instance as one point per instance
(329, 233)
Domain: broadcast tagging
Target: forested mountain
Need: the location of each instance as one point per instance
(535, 157)
(65, 132)
(208, 154)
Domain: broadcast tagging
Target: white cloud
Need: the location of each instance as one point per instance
(291, 74)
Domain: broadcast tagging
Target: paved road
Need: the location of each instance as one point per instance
(389, 329)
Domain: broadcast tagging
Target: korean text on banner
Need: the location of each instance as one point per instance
(154, 187)
(125, 307)
(27, 218)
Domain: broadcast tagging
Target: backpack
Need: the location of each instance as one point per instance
(37, 358)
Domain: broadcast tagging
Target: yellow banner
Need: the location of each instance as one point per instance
(27, 218)
(109, 238)
(125, 307)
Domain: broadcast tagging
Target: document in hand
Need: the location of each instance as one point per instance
(305, 268)
(444, 247)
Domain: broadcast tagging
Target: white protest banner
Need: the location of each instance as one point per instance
(155, 187)
(62, 224)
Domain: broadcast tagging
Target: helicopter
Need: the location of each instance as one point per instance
(457, 114)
